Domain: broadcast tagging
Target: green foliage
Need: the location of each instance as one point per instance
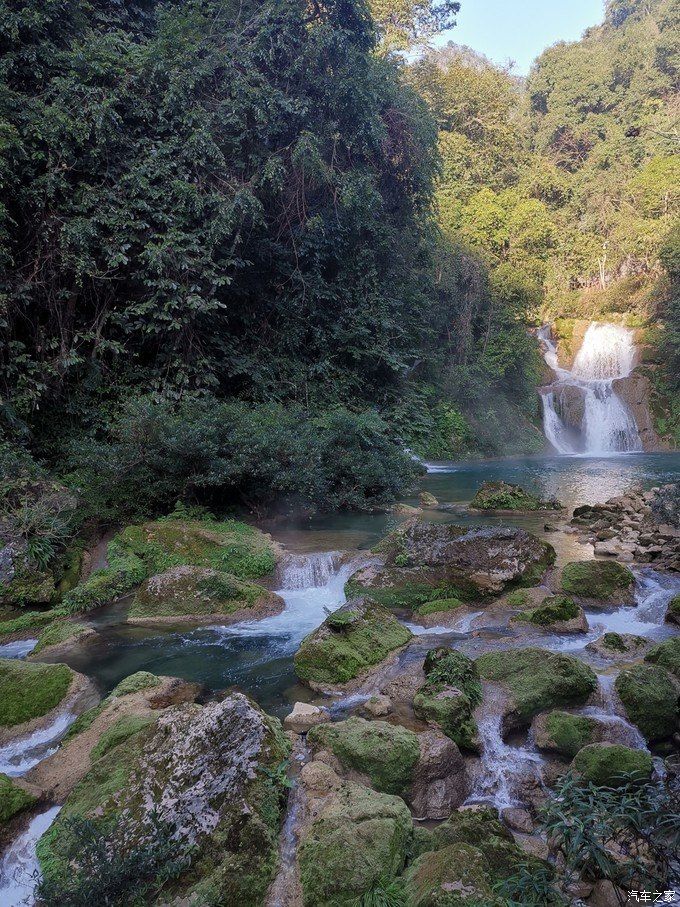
(30, 690)
(450, 694)
(98, 871)
(385, 893)
(629, 834)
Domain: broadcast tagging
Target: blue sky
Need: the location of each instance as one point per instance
(519, 31)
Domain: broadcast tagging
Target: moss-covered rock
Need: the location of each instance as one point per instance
(650, 695)
(13, 799)
(332, 656)
(564, 733)
(666, 654)
(386, 753)
(616, 645)
(28, 622)
(537, 680)
(504, 496)
(612, 765)
(425, 562)
(604, 581)
(559, 613)
(462, 860)
(214, 773)
(450, 695)
(439, 606)
(673, 612)
(451, 877)
(135, 683)
(139, 552)
(359, 838)
(29, 691)
(25, 583)
(60, 632)
(197, 592)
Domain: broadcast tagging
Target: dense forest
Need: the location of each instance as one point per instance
(253, 251)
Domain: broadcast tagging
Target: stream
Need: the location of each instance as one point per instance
(257, 657)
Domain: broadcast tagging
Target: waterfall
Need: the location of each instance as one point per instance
(307, 571)
(19, 756)
(19, 867)
(602, 422)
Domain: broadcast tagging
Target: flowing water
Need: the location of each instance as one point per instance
(19, 865)
(20, 648)
(601, 422)
(19, 756)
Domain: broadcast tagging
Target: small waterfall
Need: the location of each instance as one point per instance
(19, 756)
(502, 768)
(19, 867)
(611, 712)
(606, 425)
(307, 571)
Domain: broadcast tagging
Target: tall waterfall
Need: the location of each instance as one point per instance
(581, 411)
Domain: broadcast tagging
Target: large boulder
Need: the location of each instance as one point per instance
(557, 613)
(536, 680)
(610, 766)
(666, 654)
(449, 696)
(147, 550)
(462, 860)
(427, 769)
(618, 645)
(651, 697)
(428, 561)
(349, 642)
(504, 496)
(565, 733)
(205, 779)
(200, 593)
(597, 581)
(634, 390)
(357, 839)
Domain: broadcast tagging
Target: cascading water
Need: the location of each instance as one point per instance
(19, 866)
(19, 756)
(600, 421)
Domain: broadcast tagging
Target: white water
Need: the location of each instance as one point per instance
(19, 867)
(306, 605)
(502, 766)
(611, 712)
(19, 756)
(607, 425)
(18, 649)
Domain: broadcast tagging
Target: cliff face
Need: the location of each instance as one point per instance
(635, 391)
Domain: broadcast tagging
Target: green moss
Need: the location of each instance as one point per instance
(85, 720)
(538, 679)
(29, 691)
(134, 683)
(612, 765)
(387, 753)
(412, 595)
(439, 605)
(126, 726)
(604, 580)
(13, 799)
(341, 619)
(336, 656)
(28, 586)
(504, 496)
(650, 697)
(666, 654)
(455, 876)
(138, 552)
(673, 612)
(615, 642)
(552, 610)
(449, 695)
(70, 569)
(517, 598)
(569, 733)
(359, 838)
(60, 631)
(469, 826)
(195, 591)
(29, 621)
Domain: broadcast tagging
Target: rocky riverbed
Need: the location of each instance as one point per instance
(461, 674)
